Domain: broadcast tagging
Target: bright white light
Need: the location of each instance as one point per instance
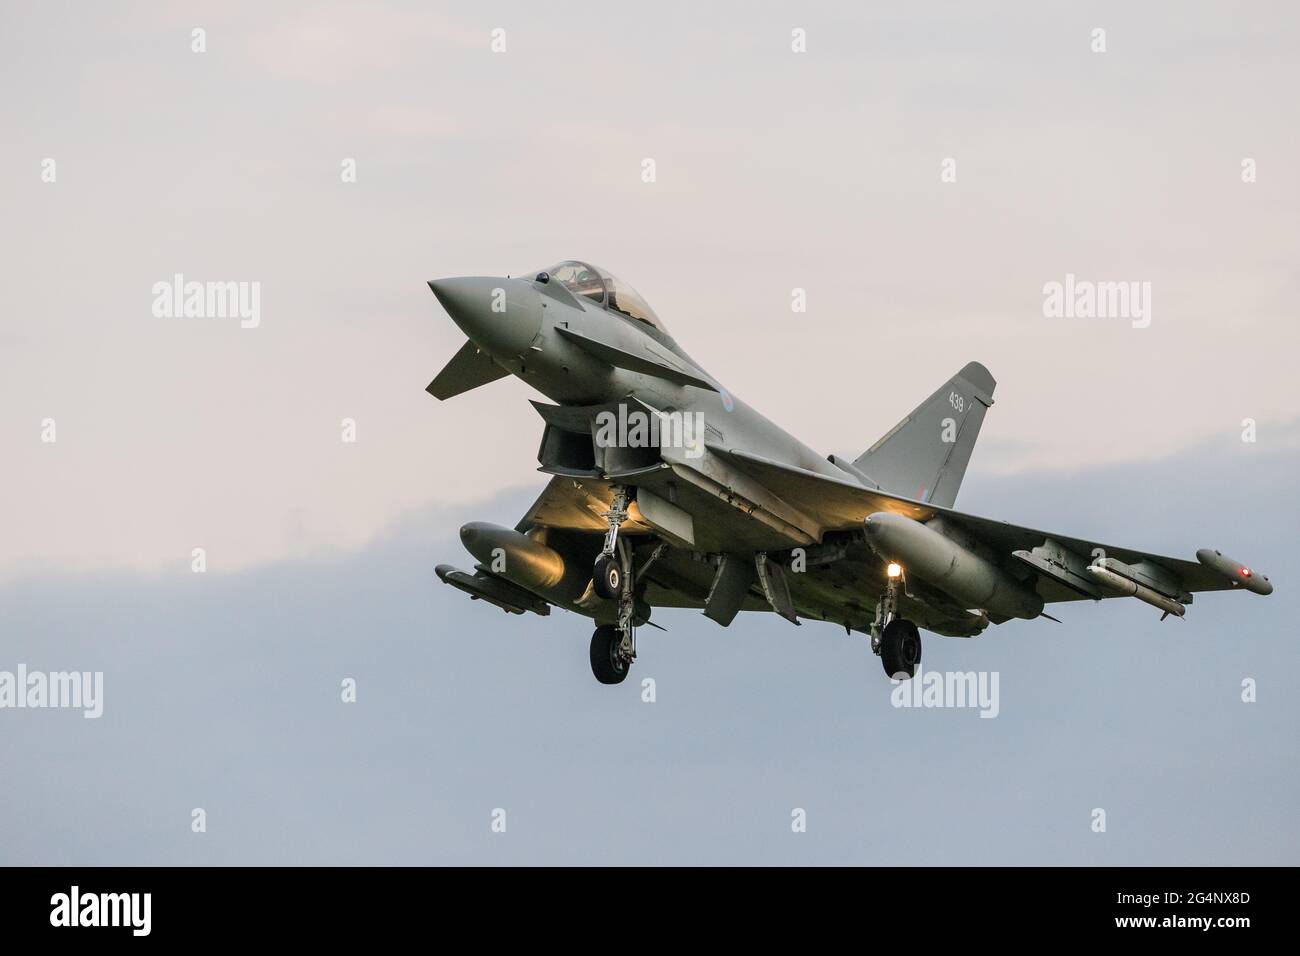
(894, 570)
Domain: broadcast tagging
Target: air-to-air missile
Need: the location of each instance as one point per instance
(485, 587)
(1129, 581)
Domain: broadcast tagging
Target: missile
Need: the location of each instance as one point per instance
(484, 587)
(1130, 588)
(1240, 575)
(525, 562)
(936, 558)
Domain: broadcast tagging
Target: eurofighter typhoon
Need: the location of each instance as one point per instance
(668, 491)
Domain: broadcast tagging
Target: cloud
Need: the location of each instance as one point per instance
(412, 121)
(222, 691)
(330, 43)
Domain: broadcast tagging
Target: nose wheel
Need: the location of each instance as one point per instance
(608, 662)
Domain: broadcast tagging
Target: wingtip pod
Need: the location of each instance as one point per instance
(1240, 575)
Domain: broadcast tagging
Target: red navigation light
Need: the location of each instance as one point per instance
(1245, 572)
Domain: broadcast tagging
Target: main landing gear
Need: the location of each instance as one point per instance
(613, 646)
(896, 640)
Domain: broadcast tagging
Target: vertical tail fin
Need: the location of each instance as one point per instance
(925, 455)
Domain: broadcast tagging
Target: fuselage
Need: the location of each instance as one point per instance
(738, 514)
(533, 327)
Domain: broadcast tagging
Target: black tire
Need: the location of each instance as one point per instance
(608, 667)
(900, 649)
(607, 577)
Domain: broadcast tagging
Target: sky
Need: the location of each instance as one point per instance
(828, 170)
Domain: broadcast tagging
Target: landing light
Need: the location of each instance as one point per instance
(894, 570)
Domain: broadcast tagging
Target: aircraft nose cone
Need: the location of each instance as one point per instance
(462, 297)
(500, 315)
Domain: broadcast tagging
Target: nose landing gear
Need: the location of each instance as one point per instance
(607, 660)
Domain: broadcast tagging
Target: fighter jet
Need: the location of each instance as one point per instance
(668, 491)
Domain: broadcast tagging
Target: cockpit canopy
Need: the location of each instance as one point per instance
(597, 285)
